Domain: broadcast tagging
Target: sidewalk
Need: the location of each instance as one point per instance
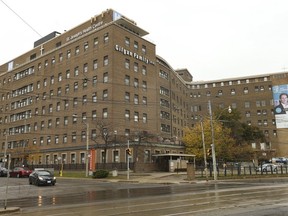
(9, 210)
(154, 177)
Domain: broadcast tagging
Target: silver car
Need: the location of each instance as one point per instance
(267, 167)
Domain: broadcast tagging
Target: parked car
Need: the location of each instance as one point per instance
(267, 167)
(42, 177)
(3, 171)
(20, 172)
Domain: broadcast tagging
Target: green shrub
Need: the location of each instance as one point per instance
(100, 174)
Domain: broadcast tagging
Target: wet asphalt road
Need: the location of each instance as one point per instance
(90, 197)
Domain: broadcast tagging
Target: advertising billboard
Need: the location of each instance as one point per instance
(280, 97)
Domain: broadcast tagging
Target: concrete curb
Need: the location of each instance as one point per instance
(9, 210)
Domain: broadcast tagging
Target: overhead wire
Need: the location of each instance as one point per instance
(21, 18)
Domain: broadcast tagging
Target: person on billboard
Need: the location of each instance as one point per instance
(282, 108)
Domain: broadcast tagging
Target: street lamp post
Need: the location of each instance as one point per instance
(213, 144)
(213, 139)
(87, 148)
(204, 150)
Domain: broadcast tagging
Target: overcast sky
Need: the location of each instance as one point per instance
(213, 39)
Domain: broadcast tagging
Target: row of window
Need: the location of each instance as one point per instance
(229, 83)
(232, 91)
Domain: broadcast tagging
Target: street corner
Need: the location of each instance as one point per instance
(5, 211)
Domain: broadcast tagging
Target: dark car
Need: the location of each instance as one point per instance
(42, 177)
(20, 172)
(3, 171)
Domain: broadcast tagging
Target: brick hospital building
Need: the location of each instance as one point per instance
(101, 85)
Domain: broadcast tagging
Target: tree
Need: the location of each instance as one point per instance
(222, 139)
(106, 134)
(242, 132)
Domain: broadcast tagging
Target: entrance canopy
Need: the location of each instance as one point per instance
(173, 161)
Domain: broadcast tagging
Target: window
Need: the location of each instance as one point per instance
(67, 74)
(105, 113)
(50, 108)
(65, 139)
(136, 99)
(164, 91)
(85, 68)
(127, 63)
(144, 50)
(42, 125)
(65, 120)
(233, 92)
(77, 50)
(127, 96)
(76, 71)
(105, 94)
(106, 38)
(94, 80)
(247, 114)
(76, 86)
(85, 83)
(75, 102)
(52, 80)
(136, 45)
(58, 106)
(68, 54)
(84, 99)
(94, 97)
(144, 100)
(86, 46)
(163, 74)
(247, 104)
(105, 61)
(144, 85)
(127, 80)
(74, 119)
(95, 64)
(136, 67)
(59, 91)
(127, 114)
(96, 41)
(136, 116)
(45, 82)
(66, 104)
(59, 77)
(49, 123)
(67, 88)
(144, 117)
(57, 122)
(245, 91)
(127, 41)
(94, 114)
(60, 57)
(74, 137)
(136, 83)
(144, 70)
(105, 77)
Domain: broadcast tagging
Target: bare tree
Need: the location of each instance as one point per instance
(106, 133)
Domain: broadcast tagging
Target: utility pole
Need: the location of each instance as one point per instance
(213, 144)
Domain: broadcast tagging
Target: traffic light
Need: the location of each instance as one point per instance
(129, 151)
(209, 152)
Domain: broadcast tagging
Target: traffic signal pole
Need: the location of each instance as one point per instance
(128, 156)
